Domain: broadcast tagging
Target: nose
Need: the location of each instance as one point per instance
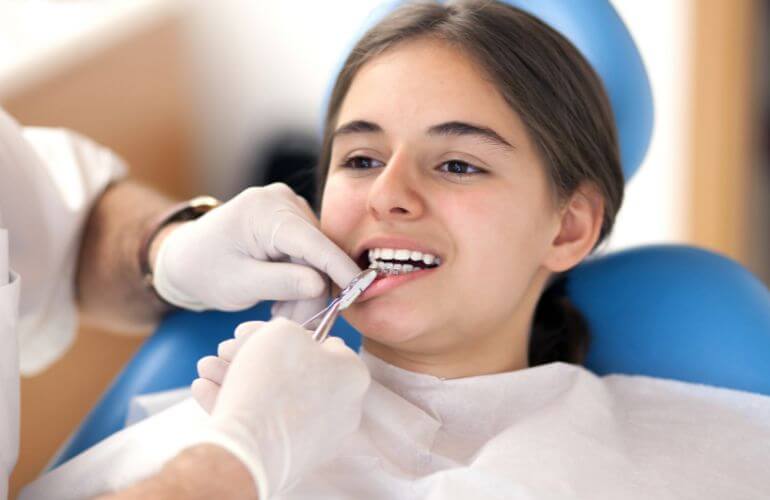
(394, 195)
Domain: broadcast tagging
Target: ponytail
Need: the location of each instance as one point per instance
(559, 331)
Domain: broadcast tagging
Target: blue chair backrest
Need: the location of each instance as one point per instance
(676, 312)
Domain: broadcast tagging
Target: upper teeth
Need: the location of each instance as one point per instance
(402, 254)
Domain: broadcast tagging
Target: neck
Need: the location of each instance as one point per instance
(503, 347)
(466, 361)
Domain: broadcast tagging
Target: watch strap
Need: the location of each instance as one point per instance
(181, 212)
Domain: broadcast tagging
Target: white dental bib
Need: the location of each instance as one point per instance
(550, 432)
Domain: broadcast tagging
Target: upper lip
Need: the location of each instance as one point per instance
(394, 242)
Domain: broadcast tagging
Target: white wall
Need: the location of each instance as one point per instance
(656, 197)
(262, 66)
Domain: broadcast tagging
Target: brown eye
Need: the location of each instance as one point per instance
(459, 168)
(362, 163)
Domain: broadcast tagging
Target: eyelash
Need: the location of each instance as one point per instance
(348, 163)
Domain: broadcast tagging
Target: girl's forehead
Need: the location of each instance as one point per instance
(423, 82)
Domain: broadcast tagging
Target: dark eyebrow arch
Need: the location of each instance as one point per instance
(462, 128)
(357, 127)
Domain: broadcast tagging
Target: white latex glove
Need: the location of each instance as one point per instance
(287, 402)
(212, 369)
(260, 245)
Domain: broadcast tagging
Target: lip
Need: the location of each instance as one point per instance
(387, 283)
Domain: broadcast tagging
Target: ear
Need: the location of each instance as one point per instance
(581, 223)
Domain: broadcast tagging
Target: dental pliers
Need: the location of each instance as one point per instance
(341, 302)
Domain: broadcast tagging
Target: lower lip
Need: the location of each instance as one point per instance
(382, 285)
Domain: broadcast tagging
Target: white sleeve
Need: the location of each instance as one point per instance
(9, 368)
(49, 180)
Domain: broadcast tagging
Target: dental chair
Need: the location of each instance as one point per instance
(673, 312)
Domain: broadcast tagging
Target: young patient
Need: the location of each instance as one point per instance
(477, 141)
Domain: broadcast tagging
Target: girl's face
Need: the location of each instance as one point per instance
(428, 157)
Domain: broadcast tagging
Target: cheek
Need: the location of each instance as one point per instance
(342, 208)
(492, 224)
(502, 240)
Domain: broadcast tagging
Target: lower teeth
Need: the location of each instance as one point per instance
(393, 272)
(388, 269)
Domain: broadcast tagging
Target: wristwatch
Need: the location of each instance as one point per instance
(181, 212)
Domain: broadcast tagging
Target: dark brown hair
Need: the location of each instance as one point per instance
(553, 89)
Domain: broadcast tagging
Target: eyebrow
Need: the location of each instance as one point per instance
(467, 129)
(357, 127)
(454, 128)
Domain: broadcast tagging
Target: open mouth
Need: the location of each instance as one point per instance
(397, 261)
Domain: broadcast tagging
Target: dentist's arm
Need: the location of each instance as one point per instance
(264, 435)
(264, 244)
(199, 473)
(110, 289)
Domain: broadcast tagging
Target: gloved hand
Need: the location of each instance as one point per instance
(212, 369)
(286, 403)
(257, 246)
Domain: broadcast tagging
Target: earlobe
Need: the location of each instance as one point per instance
(580, 226)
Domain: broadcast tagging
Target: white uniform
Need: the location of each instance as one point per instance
(555, 431)
(49, 180)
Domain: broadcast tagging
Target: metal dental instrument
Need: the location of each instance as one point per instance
(339, 303)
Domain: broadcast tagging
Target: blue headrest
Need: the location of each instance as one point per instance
(596, 30)
(675, 312)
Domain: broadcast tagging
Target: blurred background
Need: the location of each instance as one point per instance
(211, 97)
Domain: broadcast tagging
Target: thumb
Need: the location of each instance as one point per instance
(299, 239)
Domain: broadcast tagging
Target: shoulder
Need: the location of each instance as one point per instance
(691, 420)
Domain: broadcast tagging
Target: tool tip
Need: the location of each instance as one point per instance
(357, 287)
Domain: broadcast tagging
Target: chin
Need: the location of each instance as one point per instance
(386, 325)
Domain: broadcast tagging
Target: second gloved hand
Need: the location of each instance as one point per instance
(264, 244)
(287, 402)
(212, 369)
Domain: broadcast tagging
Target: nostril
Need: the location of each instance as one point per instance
(399, 210)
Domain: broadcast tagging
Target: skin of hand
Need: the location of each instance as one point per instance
(189, 476)
(111, 292)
